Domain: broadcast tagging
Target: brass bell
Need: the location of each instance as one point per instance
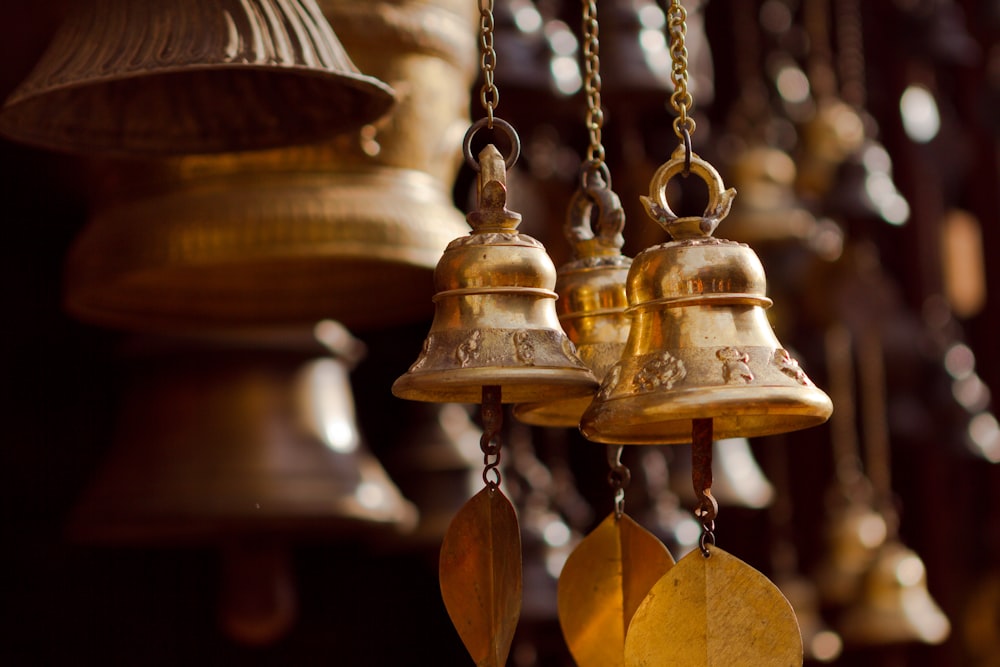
(700, 345)
(592, 301)
(285, 237)
(191, 76)
(495, 321)
(895, 606)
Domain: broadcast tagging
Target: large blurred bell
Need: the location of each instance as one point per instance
(495, 321)
(350, 228)
(700, 345)
(191, 76)
(223, 442)
(895, 606)
(592, 301)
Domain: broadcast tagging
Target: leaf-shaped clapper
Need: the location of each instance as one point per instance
(602, 584)
(714, 612)
(480, 575)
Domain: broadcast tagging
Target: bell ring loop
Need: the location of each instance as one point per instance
(515, 141)
(590, 170)
(609, 222)
(677, 165)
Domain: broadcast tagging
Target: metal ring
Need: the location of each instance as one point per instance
(515, 141)
(686, 137)
(679, 162)
(591, 167)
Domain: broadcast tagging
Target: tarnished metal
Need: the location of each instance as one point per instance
(591, 289)
(713, 611)
(602, 584)
(191, 76)
(495, 320)
(700, 345)
(480, 575)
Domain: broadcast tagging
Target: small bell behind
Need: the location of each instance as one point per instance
(495, 321)
(700, 345)
(592, 298)
(191, 76)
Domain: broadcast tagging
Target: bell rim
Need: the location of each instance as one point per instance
(774, 410)
(374, 98)
(563, 413)
(518, 385)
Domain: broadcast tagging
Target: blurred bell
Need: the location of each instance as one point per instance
(700, 345)
(768, 211)
(350, 228)
(592, 301)
(853, 536)
(216, 443)
(495, 321)
(895, 606)
(819, 642)
(191, 76)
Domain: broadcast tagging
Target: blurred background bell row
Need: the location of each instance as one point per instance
(211, 283)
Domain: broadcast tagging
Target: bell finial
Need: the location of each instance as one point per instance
(492, 214)
(720, 200)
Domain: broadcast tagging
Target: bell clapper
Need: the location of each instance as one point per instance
(619, 477)
(490, 442)
(701, 478)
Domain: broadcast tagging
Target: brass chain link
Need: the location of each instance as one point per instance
(592, 82)
(681, 99)
(488, 94)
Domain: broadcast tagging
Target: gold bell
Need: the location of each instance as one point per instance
(592, 300)
(895, 606)
(191, 76)
(700, 345)
(495, 321)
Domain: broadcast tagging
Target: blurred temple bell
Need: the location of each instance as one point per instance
(350, 228)
(246, 449)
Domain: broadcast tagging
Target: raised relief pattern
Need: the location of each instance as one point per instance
(469, 349)
(735, 368)
(789, 366)
(663, 371)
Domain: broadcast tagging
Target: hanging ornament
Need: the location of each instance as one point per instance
(495, 337)
(606, 578)
(701, 361)
(591, 288)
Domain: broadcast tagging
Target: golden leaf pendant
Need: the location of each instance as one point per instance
(602, 584)
(480, 575)
(713, 612)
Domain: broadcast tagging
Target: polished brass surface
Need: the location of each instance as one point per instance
(592, 300)
(602, 584)
(480, 573)
(700, 345)
(713, 611)
(217, 441)
(895, 605)
(350, 228)
(191, 76)
(494, 320)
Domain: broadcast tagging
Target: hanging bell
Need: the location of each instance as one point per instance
(223, 441)
(700, 345)
(895, 606)
(495, 321)
(191, 76)
(592, 301)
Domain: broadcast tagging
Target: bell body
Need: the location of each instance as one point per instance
(495, 321)
(221, 442)
(495, 324)
(591, 310)
(700, 346)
